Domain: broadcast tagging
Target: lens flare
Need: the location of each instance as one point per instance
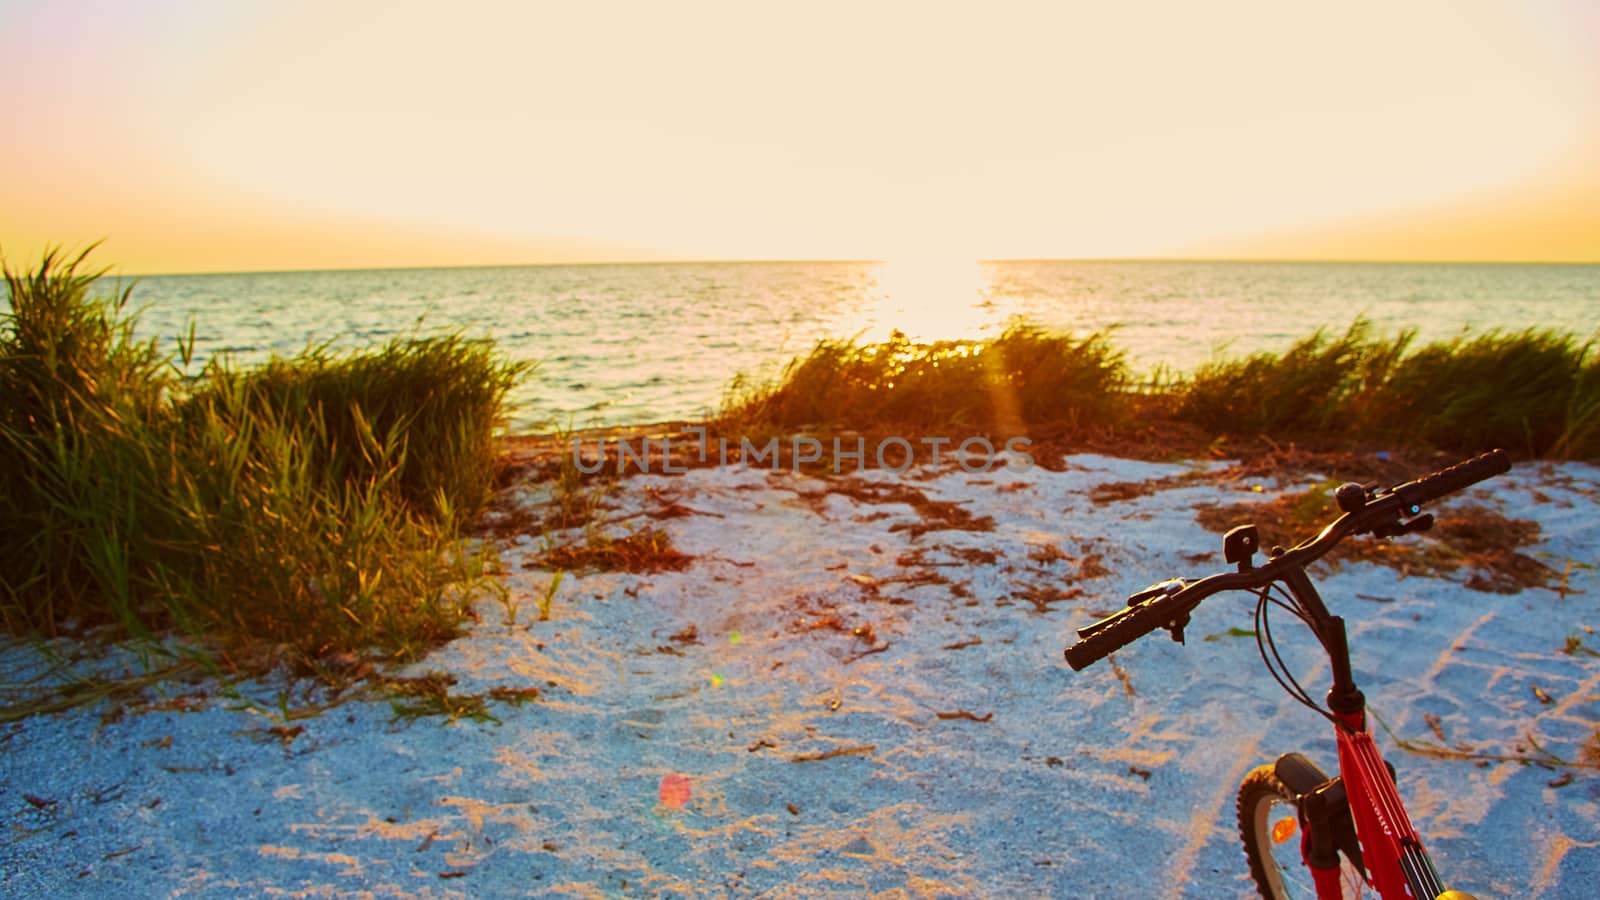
(674, 790)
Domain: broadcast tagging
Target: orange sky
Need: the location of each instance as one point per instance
(214, 137)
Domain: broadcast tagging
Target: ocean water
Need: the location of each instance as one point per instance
(631, 344)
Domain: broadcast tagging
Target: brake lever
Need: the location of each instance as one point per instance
(1398, 527)
(1176, 628)
(1161, 588)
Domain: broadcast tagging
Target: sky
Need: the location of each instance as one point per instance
(197, 136)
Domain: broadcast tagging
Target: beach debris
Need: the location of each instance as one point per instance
(1435, 725)
(516, 696)
(1235, 631)
(1539, 692)
(867, 652)
(38, 802)
(453, 873)
(1042, 596)
(793, 810)
(1562, 780)
(669, 508)
(936, 515)
(191, 701)
(965, 714)
(762, 744)
(645, 550)
(284, 733)
(830, 622)
(1122, 676)
(834, 753)
(943, 516)
(1564, 587)
(689, 635)
(1574, 646)
(1141, 772)
(976, 556)
(911, 580)
(430, 695)
(960, 645)
(1120, 490)
(1045, 554)
(674, 790)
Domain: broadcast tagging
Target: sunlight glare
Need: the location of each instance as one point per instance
(927, 299)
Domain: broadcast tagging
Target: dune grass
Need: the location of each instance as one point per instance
(1302, 390)
(1536, 392)
(1028, 375)
(311, 504)
(1531, 390)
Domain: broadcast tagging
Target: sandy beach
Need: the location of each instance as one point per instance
(853, 687)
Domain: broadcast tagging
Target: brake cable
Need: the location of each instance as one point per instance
(1268, 648)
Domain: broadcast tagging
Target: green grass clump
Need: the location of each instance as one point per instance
(312, 503)
(421, 413)
(1535, 391)
(1027, 375)
(1301, 390)
(1511, 390)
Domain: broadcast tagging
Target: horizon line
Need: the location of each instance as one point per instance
(1265, 260)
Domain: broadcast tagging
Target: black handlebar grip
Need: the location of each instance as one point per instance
(1457, 477)
(1135, 623)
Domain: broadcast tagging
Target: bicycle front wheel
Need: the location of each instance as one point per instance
(1269, 825)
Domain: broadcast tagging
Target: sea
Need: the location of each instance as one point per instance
(629, 344)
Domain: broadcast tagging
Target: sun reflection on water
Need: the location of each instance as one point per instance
(930, 299)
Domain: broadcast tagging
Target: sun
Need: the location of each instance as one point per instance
(928, 298)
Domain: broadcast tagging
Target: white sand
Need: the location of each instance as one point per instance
(1069, 785)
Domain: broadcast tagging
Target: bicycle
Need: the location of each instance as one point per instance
(1354, 830)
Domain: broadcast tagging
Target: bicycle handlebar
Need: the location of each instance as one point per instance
(1168, 604)
(1458, 477)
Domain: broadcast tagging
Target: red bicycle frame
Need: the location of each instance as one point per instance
(1396, 864)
